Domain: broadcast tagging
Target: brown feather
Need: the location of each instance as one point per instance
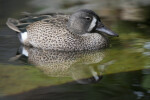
(11, 23)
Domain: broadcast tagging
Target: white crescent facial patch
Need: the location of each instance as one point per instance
(92, 25)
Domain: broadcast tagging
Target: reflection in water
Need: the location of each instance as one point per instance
(66, 64)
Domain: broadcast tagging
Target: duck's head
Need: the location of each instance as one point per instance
(87, 21)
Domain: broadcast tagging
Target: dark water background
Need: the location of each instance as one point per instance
(121, 72)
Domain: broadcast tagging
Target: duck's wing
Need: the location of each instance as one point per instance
(21, 24)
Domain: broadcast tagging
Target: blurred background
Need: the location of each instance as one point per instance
(123, 70)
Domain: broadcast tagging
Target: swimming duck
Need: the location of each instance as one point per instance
(83, 30)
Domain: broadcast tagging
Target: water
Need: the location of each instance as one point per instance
(121, 72)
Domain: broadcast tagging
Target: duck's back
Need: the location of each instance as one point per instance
(49, 33)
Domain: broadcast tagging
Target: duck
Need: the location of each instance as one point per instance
(80, 31)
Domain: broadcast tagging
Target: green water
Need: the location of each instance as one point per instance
(120, 72)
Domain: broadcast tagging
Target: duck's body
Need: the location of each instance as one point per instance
(61, 32)
(52, 33)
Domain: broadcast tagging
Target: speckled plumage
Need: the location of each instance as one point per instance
(51, 32)
(60, 63)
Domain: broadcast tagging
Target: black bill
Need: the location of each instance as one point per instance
(103, 29)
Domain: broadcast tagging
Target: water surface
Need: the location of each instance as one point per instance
(120, 72)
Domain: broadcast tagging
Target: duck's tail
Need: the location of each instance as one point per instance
(12, 24)
(19, 27)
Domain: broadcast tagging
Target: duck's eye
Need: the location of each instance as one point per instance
(88, 18)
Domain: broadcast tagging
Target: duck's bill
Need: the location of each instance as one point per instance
(106, 31)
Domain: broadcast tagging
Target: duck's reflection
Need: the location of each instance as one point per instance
(78, 65)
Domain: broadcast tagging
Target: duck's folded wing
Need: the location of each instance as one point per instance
(12, 23)
(21, 24)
